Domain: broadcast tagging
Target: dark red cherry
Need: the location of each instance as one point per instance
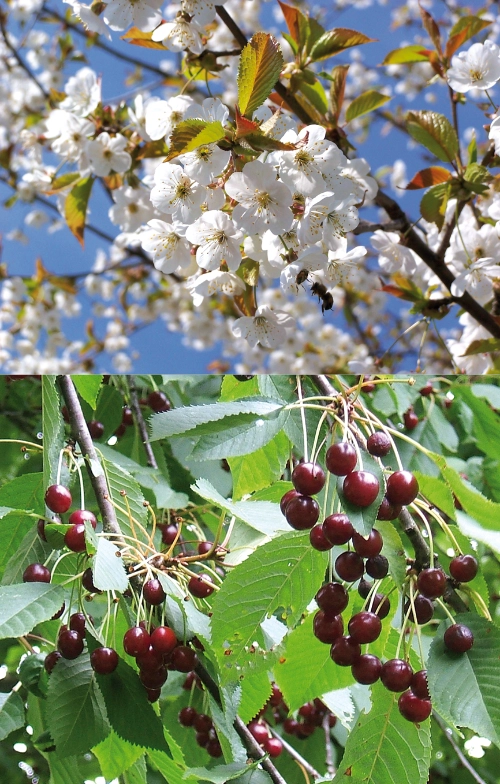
(463, 568)
(204, 547)
(431, 582)
(153, 694)
(51, 660)
(349, 566)
(327, 627)
(419, 685)
(183, 659)
(96, 429)
(136, 640)
(427, 389)
(168, 534)
(388, 511)
(365, 627)
(338, 528)
(410, 419)
(286, 498)
(77, 623)
(74, 538)
(369, 547)
(202, 739)
(259, 731)
(153, 592)
(149, 661)
(40, 527)
(273, 746)
(200, 586)
(402, 488)
(186, 716)
(213, 748)
(81, 515)
(308, 478)
(36, 573)
(276, 697)
(318, 539)
(332, 598)
(361, 488)
(345, 651)
(380, 604)
(153, 679)
(159, 402)
(424, 609)
(127, 416)
(367, 669)
(88, 581)
(202, 722)
(302, 512)
(396, 675)
(377, 567)
(291, 726)
(413, 708)
(70, 644)
(378, 444)
(458, 638)
(104, 660)
(58, 498)
(163, 640)
(341, 459)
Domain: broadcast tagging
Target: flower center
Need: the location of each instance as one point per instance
(476, 75)
(204, 153)
(263, 199)
(182, 192)
(132, 208)
(303, 158)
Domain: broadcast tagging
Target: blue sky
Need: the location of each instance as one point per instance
(61, 253)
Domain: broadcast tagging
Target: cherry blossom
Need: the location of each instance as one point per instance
(302, 170)
(121, 14)
(83, 93)
(177, 194)
(217, 239)
(263, 200)
(132, 208)
(392, 255)
(205, 163)
(477, 279)
(163, 116)
(477, 68)
(166, 242)
(180, 34)
(108, 154)
(267, 327)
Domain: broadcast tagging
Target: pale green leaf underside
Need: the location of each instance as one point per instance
(23, 606)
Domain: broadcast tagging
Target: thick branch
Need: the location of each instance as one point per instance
(80, 433)
(251, 745)
(136, 408)
(430, 257)
(412, 531)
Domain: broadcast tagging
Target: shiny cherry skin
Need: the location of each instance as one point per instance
(74, 538)
(338, 528)
(286, 498)
(396, 675)
(333, 598)
(51, 660)
(88, 581)
(273, 746)
(413, 708)
(458, 638)
(463, 568)
(365, 627)
(431, 582)
(318, 539)
(419, 685)
(80, 515)
(36, 573)
(424, 609)
(136, 641)
(159, 402)
(104, 660)
(302, 512)
(349, 566)
(200, 586)
(153, 592)
(308, 478)
(378, 444)
(377, 567)
(259, 731)
(183, 659)
(169, 534)
(367, 548)
(388, 511)
(187, 716)
(402, 488)
(366, 669)
(70, 644)
(163, 640)
(77, 623)
(345, 651)
(149, 661)
(361, 488)
(58, 498)
(96, 429)
(327, 627)
(410, 419)
(341, 459)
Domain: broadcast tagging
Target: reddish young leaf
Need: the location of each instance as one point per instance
(465, 28)
(432, 28)
(434, 175)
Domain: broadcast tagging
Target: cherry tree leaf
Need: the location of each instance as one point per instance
(53, 430)
(297, 23)
(433, 204)
(190, 134)
(464, 686)
(337, 89)
(141, 38)
(23, 606)
(434, 175)
(108, 570)
(191, 419)
(385, 748)
(414, 53)
(337, 40)
(75, 708)
(75, 208)
(259, 69)
(88, 388)
(466, 27)
(281, 575)
(364, 103)
(435, 132)
(11, 713)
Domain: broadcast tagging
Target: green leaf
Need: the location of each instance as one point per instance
(137, 773)
(109, 410)
(476, 178)
(240, 439)
(52, 428)
(76, 714)
(31, 549)
(190, 418)
(486, 424)
(75, 207)
(393, 550)
(32, 674)
(223, 719)
(115, 755)
(364, 103)
(256, 690)
(220, 774)
(23, 606)
(305, 669)
(315, 94)
(182, 615)
(11, 713)
(335, 41)
(119, 479)
(466, 27)
(488, 391)
(108, 570)
(435, 132)
(464, 686)
(171, 770)
(261, 468)
(24, 492)
(66, 771)
(384, 748)
(264, 516)
(437, 492)
(190, 134)
(414, 53)
(283, 577)
(129, 713)
(337, 89)
(259, 69)
(363, 518)
(88, 388)
(13, 527)
(433, 204)
(62, 182)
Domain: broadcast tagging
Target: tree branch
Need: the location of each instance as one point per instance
(296, 756)
(330, 767)
(136, 408)
(80, 433)
(17, 57)
(430, 257)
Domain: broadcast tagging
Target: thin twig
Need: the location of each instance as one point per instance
(136, 408)
(80, 433)
(17, 56)
(458, 751)
(330, 767)
(295, 755)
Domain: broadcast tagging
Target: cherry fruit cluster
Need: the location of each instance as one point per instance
(206, 736)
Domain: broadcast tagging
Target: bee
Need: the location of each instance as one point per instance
(324, 295)
(302, 277)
